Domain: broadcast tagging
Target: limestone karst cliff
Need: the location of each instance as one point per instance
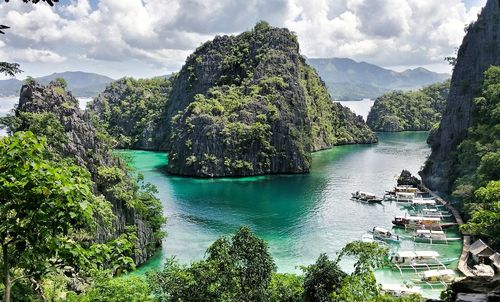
(248, 105)
(53, 112)
(479, 50)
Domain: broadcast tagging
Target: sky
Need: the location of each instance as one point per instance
(145, 38)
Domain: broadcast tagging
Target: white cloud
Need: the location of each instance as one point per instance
(162, 33)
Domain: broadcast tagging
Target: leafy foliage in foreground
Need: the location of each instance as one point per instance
(413, 110)
(241, 269)
(478, 164)
(41, 202)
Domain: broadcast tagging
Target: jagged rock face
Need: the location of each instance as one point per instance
(479, 50)
(84, 145)
(130, 111)
(250, 105)
(477, 289)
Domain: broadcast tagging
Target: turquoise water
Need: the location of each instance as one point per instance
(300, 216)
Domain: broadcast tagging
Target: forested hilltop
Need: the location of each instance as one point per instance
(409, 111)
(241, 105)
(130, 109)
(465, 159)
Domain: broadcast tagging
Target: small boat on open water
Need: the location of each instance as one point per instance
(367, 197)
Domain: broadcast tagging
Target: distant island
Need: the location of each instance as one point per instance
(81, 84)
(409, 111)
(348, 80)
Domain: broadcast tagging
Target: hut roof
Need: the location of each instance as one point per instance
(495, 259)
(479, 248)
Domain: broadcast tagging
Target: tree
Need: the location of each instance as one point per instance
(322, 278)
(41, 202)
(236, 269)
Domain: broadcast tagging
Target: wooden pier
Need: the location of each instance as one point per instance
(462, 262)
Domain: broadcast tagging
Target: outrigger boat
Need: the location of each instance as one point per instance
(436, 277)
(365, 196)
(419, 222)
(432, 236)
(397, 290)
(401, 193)
(384, 235)
(430, 213)
(418, 260)
(415, 222)
(404, 196)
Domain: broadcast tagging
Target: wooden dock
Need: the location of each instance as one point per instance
(462, 262)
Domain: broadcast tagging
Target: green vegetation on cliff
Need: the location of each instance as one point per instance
(477, 170)
(409, 111)
(249, 104)
(124, 218)
(129, 110)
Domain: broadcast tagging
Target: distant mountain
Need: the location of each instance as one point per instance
(81, 84)
(347, 79)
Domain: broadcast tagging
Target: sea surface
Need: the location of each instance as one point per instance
(299, 216)
(359, 107)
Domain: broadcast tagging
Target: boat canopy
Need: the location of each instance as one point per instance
(438, 273)
(421, 201)
(427, 254)
(397, 288)
(431, 219)
(416, 254)
(405, 194)
(429, 232)
(380, 230)
(365, 193)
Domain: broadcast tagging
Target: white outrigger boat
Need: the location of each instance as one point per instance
(432, 236)
(365, 196)
(436, 277)
(397, 290)
(404, 196)
(430, 213)
(418, 260)
(384, 235)
(415, 222)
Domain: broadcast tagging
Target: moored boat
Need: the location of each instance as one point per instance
(385, 235)
(432, 236)
(436, 277)
(397, 290)
(418, 260)
(365, 196)
(416, 222)
(430, 212)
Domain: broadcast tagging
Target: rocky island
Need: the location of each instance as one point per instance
(241, 105)
(409, 111)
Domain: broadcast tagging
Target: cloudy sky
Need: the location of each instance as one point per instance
(144, 38)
